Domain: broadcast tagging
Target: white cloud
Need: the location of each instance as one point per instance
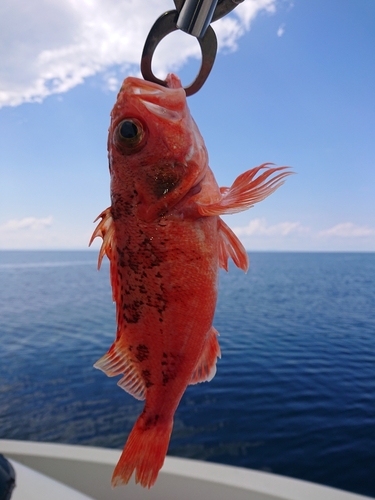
(26, 224)
(347, 230)
(259, 227)
(44, 233)
(281, 30)
(29, 232)
(258, 234)
(50, 46)
(247, 10)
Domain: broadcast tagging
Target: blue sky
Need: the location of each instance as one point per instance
(293, 84)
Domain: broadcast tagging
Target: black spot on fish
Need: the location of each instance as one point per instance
(132, 311)
(134, 266)
(121, 207)
(165, 378)
(165, 177)
(147, 378)
(151, 421)
(142, 352)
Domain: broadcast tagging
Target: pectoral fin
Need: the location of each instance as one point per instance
(246, 190)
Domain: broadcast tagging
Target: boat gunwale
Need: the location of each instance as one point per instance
(273, 485)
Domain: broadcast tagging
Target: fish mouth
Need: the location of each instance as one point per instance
(164, 102)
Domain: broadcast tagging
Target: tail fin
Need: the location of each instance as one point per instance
(144, 452)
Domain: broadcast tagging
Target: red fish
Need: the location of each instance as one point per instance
(165, 242)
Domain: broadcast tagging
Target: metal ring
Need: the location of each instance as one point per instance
(165, 25)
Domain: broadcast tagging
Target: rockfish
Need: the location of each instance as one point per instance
(166, 242)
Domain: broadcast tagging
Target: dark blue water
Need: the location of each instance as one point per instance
(295, 389)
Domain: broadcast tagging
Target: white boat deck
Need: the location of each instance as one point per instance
(84, 473)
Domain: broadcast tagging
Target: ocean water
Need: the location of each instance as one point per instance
(294, 393)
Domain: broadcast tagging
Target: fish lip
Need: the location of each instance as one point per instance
(162, 111)
(145, 88)
(148, 91)
(164, 102)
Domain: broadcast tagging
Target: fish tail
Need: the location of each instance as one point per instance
(249, 188)
(144, 451)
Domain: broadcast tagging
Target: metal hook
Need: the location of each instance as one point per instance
(165, 24)
(193, 17)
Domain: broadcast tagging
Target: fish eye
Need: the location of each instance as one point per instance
(130, 134)
(128, 130)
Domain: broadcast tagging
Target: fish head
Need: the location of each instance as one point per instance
(156, 151)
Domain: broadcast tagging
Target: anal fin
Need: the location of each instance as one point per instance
(230, 246)
(206, 366)
(115, 362)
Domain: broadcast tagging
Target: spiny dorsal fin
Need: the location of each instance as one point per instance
(105, 229)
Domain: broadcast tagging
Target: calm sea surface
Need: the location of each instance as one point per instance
(295, 389)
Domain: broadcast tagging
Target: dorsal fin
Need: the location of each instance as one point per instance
(105, 229)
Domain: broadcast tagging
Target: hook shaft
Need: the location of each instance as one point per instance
(195, 16)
